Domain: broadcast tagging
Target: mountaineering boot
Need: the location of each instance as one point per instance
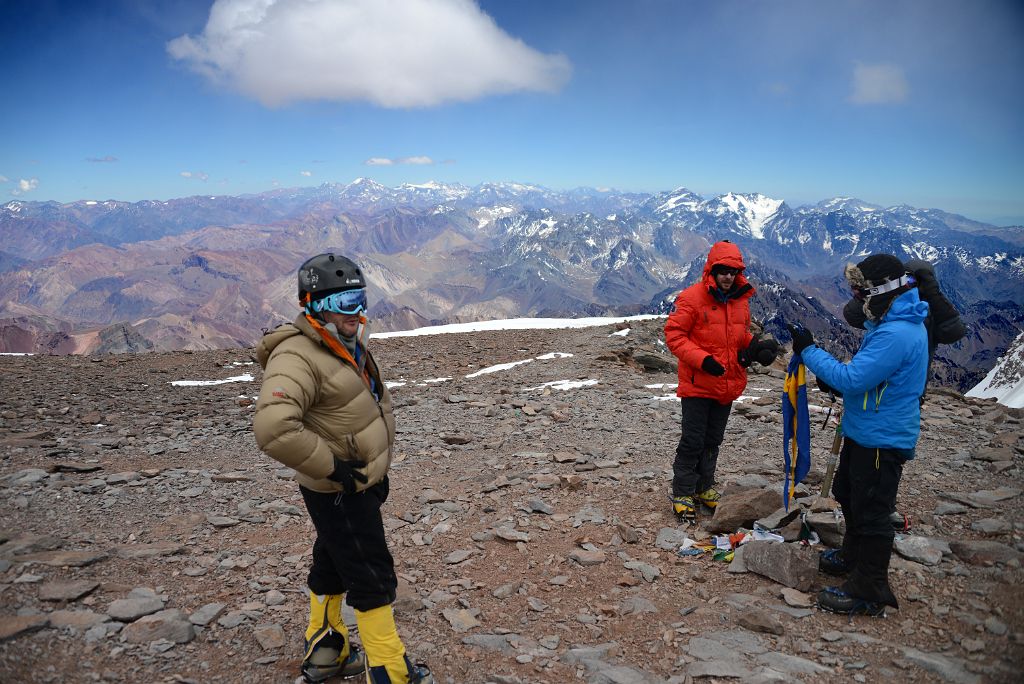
(835, 600)
(385, 652)
(414, 674)
(420, 674)
(685, 508)
(831, 562)
(709, 497)
(325, 660)
(329, 653)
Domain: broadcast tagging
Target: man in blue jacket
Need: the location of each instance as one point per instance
(881, 387)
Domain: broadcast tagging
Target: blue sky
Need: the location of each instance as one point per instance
(917, 102)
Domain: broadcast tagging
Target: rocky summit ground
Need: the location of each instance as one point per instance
(146, 539)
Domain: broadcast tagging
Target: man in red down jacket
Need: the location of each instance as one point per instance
(709, 332)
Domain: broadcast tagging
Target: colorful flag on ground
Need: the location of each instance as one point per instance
(796, 427)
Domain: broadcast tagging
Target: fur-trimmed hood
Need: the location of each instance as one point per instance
(874, 306)
(855, 277)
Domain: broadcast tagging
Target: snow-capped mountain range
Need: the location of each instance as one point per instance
(213, 270)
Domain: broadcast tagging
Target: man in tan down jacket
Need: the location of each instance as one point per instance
(325, 412)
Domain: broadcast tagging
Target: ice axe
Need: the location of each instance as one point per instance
(833, 457)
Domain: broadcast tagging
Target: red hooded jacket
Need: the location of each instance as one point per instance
(705, 322)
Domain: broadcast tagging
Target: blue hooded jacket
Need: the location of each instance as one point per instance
(883, 383)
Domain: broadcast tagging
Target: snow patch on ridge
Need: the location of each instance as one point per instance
(755, 210)
(684, 200)
(1005, 382)
(922, 250)
(516, 324)
(203, 383)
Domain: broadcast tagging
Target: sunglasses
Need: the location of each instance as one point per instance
(348, 302)
(725, 270)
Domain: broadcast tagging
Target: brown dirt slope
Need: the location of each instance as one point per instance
(143, 537)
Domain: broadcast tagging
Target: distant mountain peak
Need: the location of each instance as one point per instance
(847, 204)
(362, 182)
(680, 198)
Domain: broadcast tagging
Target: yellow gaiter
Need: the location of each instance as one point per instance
(325, 617)
(381, 643)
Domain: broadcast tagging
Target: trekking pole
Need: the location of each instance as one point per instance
(833, 457)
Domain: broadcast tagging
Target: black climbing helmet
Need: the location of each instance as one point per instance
(327, 273)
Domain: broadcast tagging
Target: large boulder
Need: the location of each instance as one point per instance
(742, 508)
(792, 565)
(924, 550)
(172, 625)
(983, 552)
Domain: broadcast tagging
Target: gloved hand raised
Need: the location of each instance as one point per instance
(802, 338)
(712, 367)
(345, 475)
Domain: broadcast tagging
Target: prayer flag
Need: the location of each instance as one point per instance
(796, 427)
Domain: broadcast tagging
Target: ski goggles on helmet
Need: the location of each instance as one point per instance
(348, 302)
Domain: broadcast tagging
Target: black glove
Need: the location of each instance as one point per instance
(345, 475)
(825, 387)
(761, 350)
(766, 351)
(712, 367)
(802, 338)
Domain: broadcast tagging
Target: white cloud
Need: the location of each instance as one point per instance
(383, 161)
(198, 175)
(108, 159)
(878, 84)
(4, 179)
(393, 53)
(307, 174)
(25, 186)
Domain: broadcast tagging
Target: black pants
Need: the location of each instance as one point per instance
(703, 428)
(865, 487)
(350, 553)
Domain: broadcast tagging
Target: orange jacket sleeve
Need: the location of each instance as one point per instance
(677, 332)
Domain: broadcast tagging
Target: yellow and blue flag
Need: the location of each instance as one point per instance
(796, 427)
